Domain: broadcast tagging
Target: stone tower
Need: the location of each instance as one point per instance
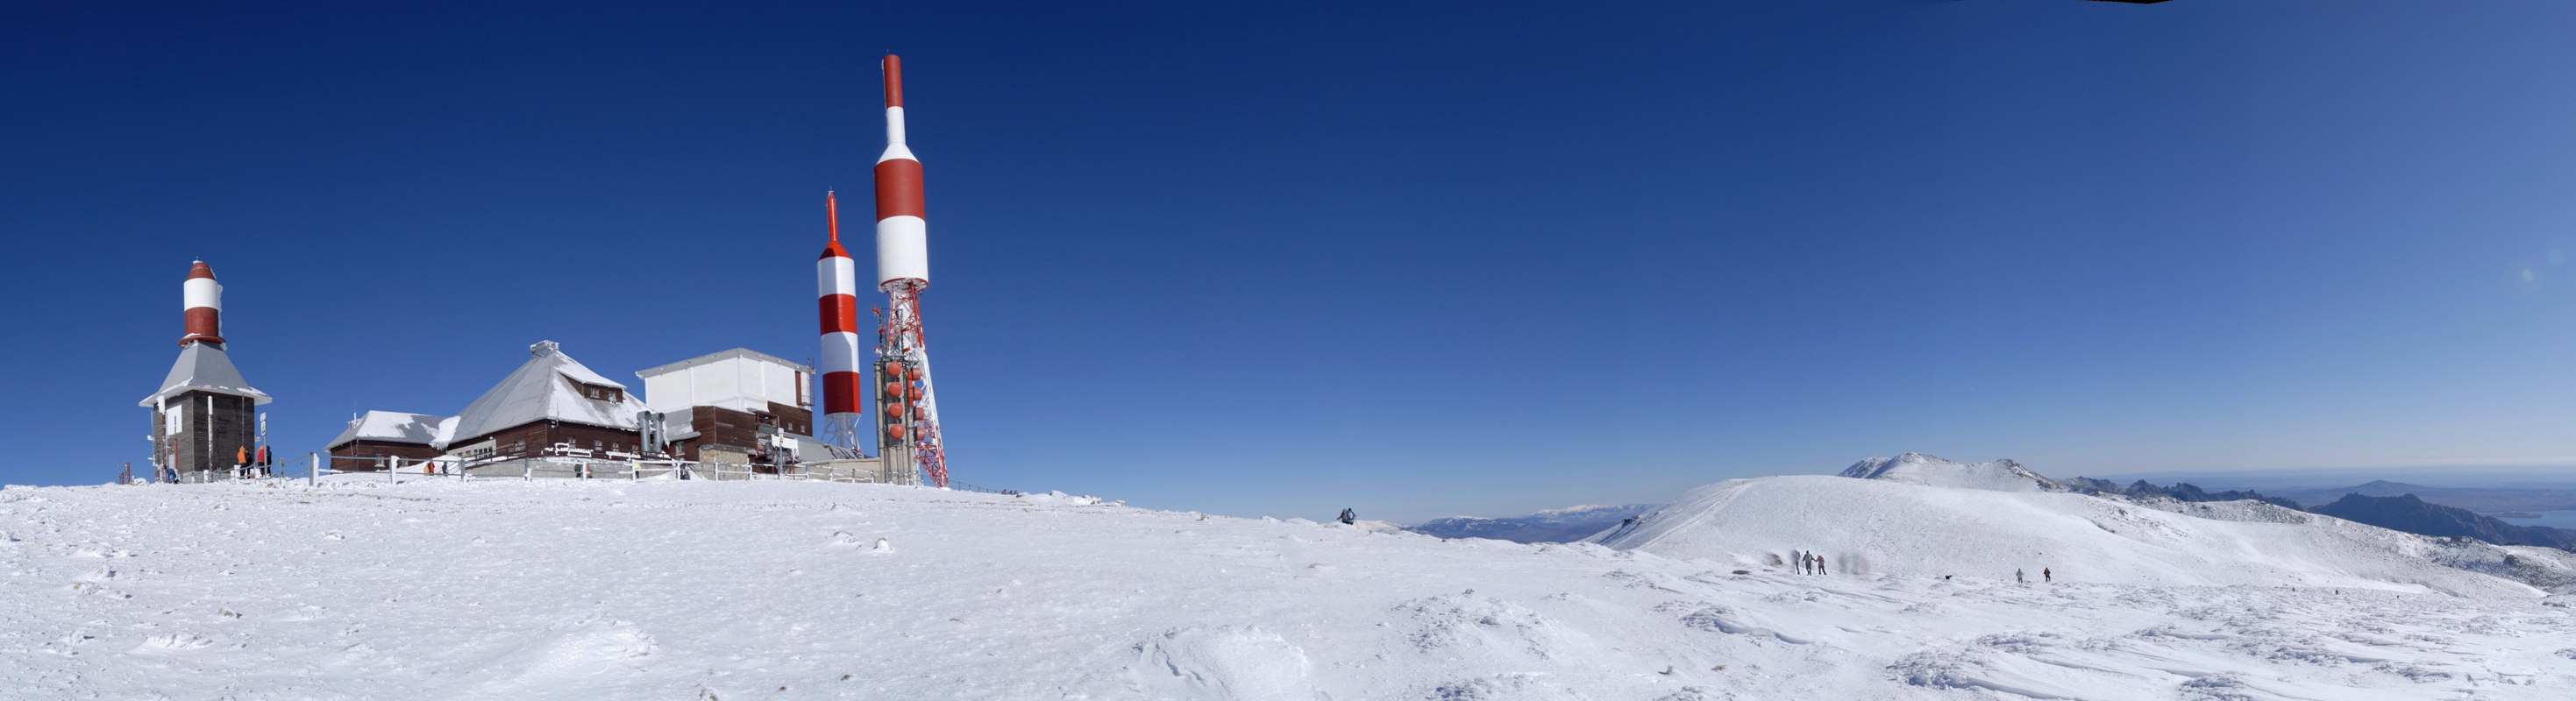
(205, 415)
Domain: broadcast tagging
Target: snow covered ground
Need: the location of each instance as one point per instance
(760, 590)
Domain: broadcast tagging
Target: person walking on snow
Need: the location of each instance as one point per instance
(2017, 575)
(2044, 575)
(1820, 564)
(1348, 517)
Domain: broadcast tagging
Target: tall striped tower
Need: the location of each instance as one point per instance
(908, 425)
(837, 298)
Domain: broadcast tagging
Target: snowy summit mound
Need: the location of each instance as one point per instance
(1916, 515)
(1917, 468)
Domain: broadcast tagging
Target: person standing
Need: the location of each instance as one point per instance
(2017, 575)
(1820, 564)
(2045, 576)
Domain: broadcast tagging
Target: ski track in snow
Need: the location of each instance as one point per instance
(769, 590)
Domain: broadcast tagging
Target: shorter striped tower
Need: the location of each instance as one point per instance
(204, 299)
(205, 417)
(837, 300)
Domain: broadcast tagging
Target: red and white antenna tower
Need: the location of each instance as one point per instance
(837, 297)
(908, 425)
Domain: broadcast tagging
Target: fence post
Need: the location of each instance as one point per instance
(312, 469)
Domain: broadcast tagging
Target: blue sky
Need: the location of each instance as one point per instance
(1418, 260)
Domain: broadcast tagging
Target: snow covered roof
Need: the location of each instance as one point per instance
(723, 355)
(391, 427)
(543, 388)
(204, 366)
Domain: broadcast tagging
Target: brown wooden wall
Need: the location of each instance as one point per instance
(721, 426)
(211, 438)
(531, 438)
(409, 452)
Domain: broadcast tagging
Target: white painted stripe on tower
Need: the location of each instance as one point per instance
(894, 132)
(840, 352)
(201, 292)
(836, 275)
(903, 249)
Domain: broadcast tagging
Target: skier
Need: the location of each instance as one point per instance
(1348, 518)
(2017, 575)
(2045, 576)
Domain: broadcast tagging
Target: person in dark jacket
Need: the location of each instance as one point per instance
(1348, 517)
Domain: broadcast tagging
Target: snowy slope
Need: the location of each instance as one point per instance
(1875, 525)
(778, 590)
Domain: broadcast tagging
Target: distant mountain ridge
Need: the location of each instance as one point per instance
(1547, 526)
(2412, 514)
(2182, 491)
(2478, 499)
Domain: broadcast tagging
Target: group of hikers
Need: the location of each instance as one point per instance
(1810, 563)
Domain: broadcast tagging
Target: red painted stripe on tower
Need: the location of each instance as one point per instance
(841, 392)
(832, 218)
(205, 322)
(894, 81)
(899, 188)
(201, 305)
(839, 313)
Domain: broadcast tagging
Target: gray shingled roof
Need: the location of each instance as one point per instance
(202, 366)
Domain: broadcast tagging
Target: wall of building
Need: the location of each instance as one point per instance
(741, 383)
(409, 452)
(531, 438)
(212, 429)
(727, 427)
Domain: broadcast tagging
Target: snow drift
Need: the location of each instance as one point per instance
(735, 591)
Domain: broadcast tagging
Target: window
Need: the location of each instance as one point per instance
(596, 392)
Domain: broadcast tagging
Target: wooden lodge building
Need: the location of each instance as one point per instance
(709, 408)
